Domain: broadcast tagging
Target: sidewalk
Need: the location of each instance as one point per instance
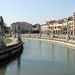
(14, 41)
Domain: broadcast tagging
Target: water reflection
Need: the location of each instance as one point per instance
(59, 55)
(52, 45)
(4, 66)
(2, 71)
(18, 65)
(40, 47)
(42, 58)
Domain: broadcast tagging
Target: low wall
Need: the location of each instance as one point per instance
(11, 51)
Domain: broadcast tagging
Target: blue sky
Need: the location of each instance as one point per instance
(35, 11)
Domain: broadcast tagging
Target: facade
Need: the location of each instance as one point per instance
(36, 28)
(24, 27)
(7, 31)
(62, 25)
(44, 28)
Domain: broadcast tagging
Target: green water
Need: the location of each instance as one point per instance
(42, 58)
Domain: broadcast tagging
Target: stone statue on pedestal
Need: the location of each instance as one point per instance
(52, 33)
(19, 34)
(2, 44)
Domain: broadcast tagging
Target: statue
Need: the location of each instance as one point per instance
(19, 34)
(2, 44)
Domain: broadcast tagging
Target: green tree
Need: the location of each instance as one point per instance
(51, 30)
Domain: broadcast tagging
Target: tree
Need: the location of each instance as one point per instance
(66, 28)
(51, 29)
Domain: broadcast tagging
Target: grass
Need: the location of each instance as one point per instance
(7, 40)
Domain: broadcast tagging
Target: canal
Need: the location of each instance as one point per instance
(42, 58)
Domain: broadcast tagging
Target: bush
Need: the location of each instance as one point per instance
(7, 40)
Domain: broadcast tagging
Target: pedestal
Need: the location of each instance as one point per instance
(67, 37)
(52, 36)
(2, 44)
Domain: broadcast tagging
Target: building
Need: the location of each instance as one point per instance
(24, 27)
(63, 26)
(44, 29)
(7, 31)
(36, 28)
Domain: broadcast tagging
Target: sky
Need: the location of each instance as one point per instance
(35, 11)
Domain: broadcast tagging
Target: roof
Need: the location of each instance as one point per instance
(70, 18)
(21, 23)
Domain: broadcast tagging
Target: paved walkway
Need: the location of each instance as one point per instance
(14, 41)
